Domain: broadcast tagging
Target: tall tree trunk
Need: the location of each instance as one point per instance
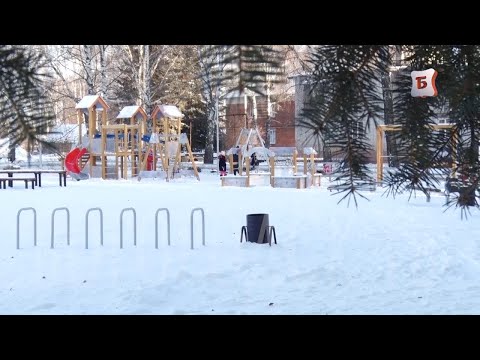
(147, 79)
(88, 66)
(254, 112)
(209, 138)
(103, 71)
(207, 63)
(11, 150)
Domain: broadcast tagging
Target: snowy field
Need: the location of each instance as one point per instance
(389, 256)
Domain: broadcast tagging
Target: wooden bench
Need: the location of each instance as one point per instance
(10, 180)
(292, 181)
(62, 175)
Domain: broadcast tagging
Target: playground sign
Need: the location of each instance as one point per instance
(423, 83)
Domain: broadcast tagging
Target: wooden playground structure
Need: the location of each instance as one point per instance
(127, 140)
(166, 142)
(381, 129)
(250, 142)
(110, 150)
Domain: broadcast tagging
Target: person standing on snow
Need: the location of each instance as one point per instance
(235, 160)
(222, 164)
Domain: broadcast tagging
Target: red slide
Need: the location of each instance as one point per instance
(71, 160)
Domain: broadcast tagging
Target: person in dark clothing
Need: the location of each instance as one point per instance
(235, 160)
(222, 164)
(253, 161)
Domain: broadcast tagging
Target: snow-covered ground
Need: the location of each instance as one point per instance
(389, 256)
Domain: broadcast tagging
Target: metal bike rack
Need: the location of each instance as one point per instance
(86, 225)
(34, 225)
(156, 226)
(134, 226)
(191, 226)
(53, 226)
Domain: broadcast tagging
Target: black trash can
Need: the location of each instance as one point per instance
(257, 228)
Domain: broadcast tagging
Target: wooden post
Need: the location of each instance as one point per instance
(305, 164)
(153, 147)
(454, 152)
(190, 154)
(115, 141)
(295, 154)
(80, 123)
(178, 156)
(272, 170)
(166, 131)
(155, 129)
(104, 162)
(240, 163)
(143, 163)
(133, 145)
(312, 162)
(125, 152)
(91, 132)
(176, 166)
(191, 124)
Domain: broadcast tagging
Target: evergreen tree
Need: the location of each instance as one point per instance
(421, 148)
(25, 112)
(347, 91)
(346, 101)
(418, 147)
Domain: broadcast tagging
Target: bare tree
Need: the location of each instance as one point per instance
(140, 62)
(103, 70)
(77, 70)
(87, 52)
(211, 69)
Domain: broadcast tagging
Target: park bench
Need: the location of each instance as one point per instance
(62, 175)
(32, 180)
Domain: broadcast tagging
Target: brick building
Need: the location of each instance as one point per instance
(242, 111)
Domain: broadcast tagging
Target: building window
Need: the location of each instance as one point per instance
(272, 136)
(443, 119)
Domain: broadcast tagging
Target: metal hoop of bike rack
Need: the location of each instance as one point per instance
(191, 226)
(53, 226)
(156, 226)
(86, 226)
(134, 226)
(34, 225)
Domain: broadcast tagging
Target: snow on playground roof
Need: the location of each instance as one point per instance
(90, 100)
(128, 111)
(170, 111)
